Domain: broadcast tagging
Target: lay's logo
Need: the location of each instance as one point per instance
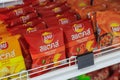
(47, 37)
(115, 27)
(78, 28)
(3, 45)
(63, 21)
(57, 10)
(29, 30)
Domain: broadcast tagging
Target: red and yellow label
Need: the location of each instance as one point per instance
(78, 28)
(115, 28)
(47, 37)
(57, 10)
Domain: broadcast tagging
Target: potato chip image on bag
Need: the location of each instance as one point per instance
(11, 59)
(108, 28)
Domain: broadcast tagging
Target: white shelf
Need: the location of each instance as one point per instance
(72, 71)
(5, 3)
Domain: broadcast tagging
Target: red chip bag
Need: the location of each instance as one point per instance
(40, 2)
(22, 19)
(46, 47)
(2, 18)
(41, 26)
(53, 11)
(49, 6)
(31, 23)
(20, 12)
(7, 9)
(79, 38)
(60, 19)
(86, 10)
(25, 30)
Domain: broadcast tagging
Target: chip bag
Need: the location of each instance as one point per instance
(11, 59)
(31, 23)
(108, 28)
(79, 38)
(60, 19)
(53, 11)
(86, 10)
(49, 6)
(20, 12)
(21, 19)
(46, 47)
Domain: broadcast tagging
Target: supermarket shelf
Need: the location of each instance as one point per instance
(110, 58)
(5, 3)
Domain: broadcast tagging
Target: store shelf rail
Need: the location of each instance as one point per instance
(6, 3)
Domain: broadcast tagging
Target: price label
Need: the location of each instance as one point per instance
(85, 60)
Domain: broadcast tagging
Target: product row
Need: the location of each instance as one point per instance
(40, 32)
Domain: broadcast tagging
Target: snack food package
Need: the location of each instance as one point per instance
(26, 30)
(86, 10)
(49, 6)
(108, 28)
(40, 2)
(20, 12)
(21, 20)
(60, 19)
(53, 11)
(31, 23)
(79, 38)
(10, 8)
(46, 47)
(11, 58)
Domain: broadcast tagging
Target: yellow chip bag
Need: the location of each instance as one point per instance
(11, 59)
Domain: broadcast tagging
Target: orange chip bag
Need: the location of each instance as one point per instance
(84, 11)
(108, 28)
(11, 59)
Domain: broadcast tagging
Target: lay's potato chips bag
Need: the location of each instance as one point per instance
(79, 38)
(11, 59)
(46, 46)
(108, 28)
